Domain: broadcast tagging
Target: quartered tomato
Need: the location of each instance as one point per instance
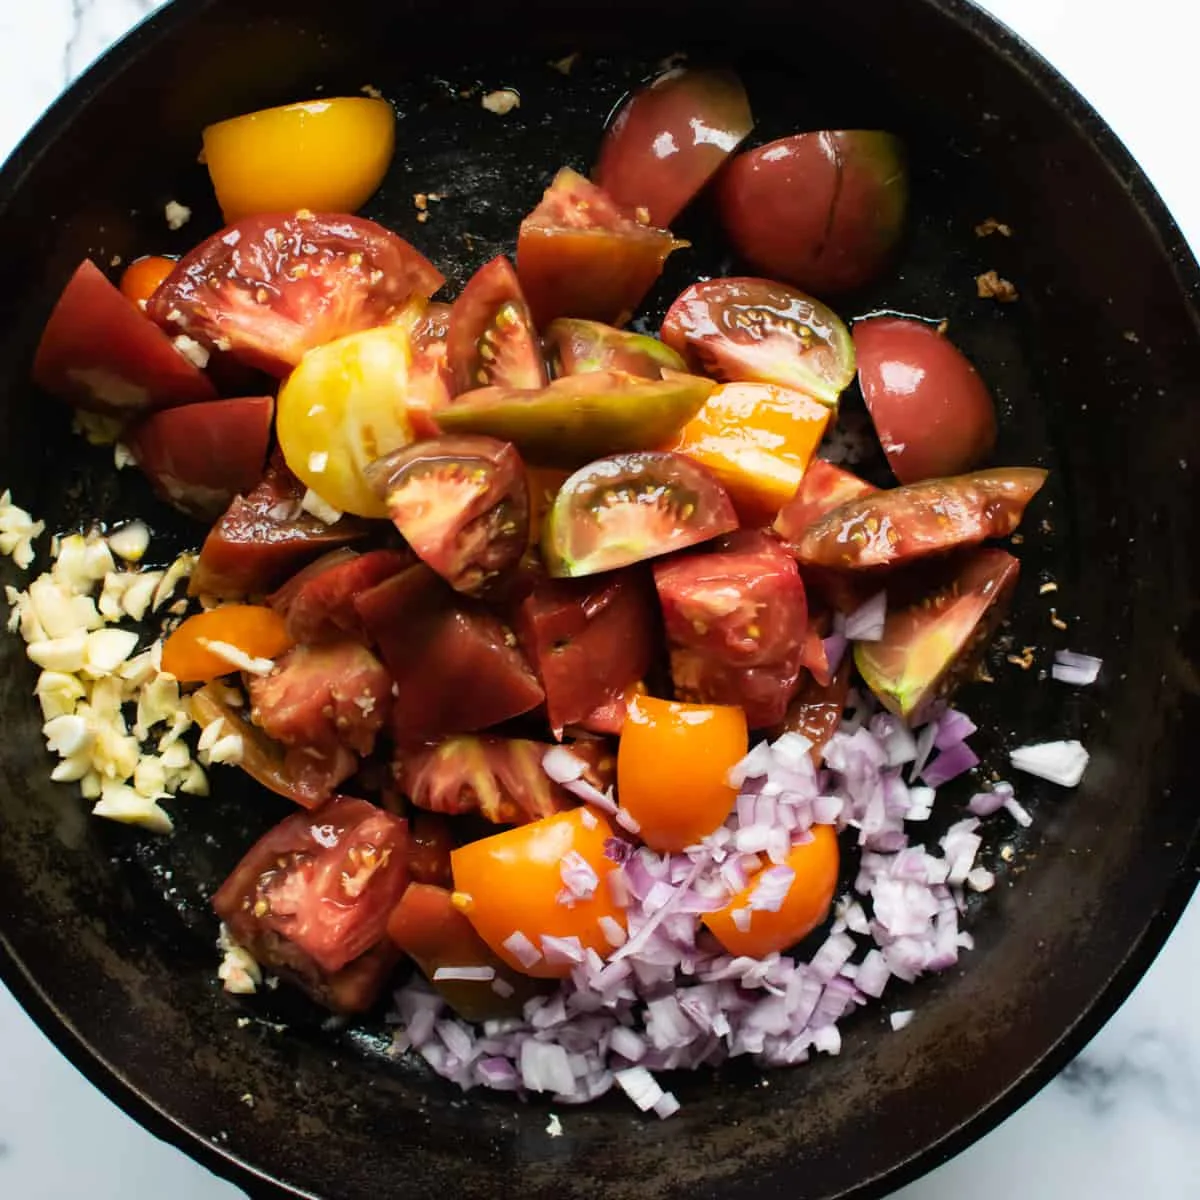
(907, 523)
(98, 352)
(544, 484)
(270, 288)
(933, 413)
(935, 643)
(755, 331)
(631, 507)
(252, 629)
(512, 884)
(499, 778)
(758, 440)
(314, 894)
(492, 339)
(578, 255)
(200, 456)
(581, 417)
(429, 380)
(672, 766)
(263, 538)
(341, 409)
(462, 504)
(589, 641)
(576, 347)
(430, 840)
(140, 280)
(816, 709)
(821, 210)
(670, 138)
(823, 488)
(806, 903)
(323, 155)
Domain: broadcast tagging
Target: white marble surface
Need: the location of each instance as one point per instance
(1122, 1120)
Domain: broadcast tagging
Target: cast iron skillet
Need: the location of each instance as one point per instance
(106, 935)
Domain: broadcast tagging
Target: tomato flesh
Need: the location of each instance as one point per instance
(823, 488)
(270, 288)
(632, 507)
(98, 352)
(430, 840)
(744, 330)
(579, 347)
(670, 138)
(933, 413)
(578, 255)
(815, 711)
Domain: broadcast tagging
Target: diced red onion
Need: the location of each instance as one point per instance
(1078, 669)
(522, 949)
(953, 727)
(559, 951)
(1018, 812)
(835, 650)
(980, 879)
(920, 804)
(502, 987)
(771, 889)
(984, 804)
(865, 623)
(562, 766)
(666, 1105)
(578, 877)
(545, 1067)
(640, 1086)
(950, 764)
(466, 974)
(614, 934)
(901, 1020)
(628, 821)
(925, 739)
(1059, 762)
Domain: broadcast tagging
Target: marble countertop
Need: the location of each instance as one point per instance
(1123, 1119)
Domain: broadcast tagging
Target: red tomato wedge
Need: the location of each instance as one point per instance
(823, 488)
(816, 709)
(98, 352)
(933, 413)
(669, 138)
(271, 287)
(578, 255)
(199, 457)
(492, 341)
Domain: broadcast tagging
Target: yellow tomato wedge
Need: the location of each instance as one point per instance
(249, 629)
(743, 929)
(671, 768)
(758, 439)
(324, 155)
(515, 889)
(343, 407)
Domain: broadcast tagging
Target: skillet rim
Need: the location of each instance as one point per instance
(999, 40)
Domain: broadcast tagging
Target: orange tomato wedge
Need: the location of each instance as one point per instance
(513, 889)
(671, 768)
(758, 932)
(252, 629)
(142, 277)
(758, 439)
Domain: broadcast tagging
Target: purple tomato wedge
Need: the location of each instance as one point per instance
(575, 347)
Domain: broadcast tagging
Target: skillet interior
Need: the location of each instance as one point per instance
(108, 937)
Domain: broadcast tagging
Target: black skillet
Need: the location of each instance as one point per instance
(106, 935)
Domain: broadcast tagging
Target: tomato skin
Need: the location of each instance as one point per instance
(430, 841)
(816, 709)
(314, 894)
(744, 330)
(578, 255)
(327, 155)
(804, 908)
(500, 778)
(99, 353)
(576, 347)
(511, 882)
(758, 440)
(251, 628)
(430, 383)
(140, 280)
(823, 211)
(670, 138)
(823, 488)
(461, 503)
(492, 341)
(270, 288)
(199, 457)
(905, 524)
(671, 768)
(933, 644)
(631, 507)
(933, 413)
(589, 641)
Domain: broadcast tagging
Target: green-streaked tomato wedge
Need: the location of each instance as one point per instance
(631, 507)
(581, 417)
(580, 347)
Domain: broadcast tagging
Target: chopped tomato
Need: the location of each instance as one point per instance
(544, 485)
(672, 767)
(758, 440)
(886, 529)
(816, 709)
(576, 347)
(270, 288)
(198, 457)
(492, 341)
(140, 280)
(578, 255)
(823, 488)
(430, 383)
(670, 138)
(516, 888)
(805, 903)
(500, 778)
(250, 629)
(589, 641)
(324, 155)
(313, 896)
(98, 352)
(430, 840)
